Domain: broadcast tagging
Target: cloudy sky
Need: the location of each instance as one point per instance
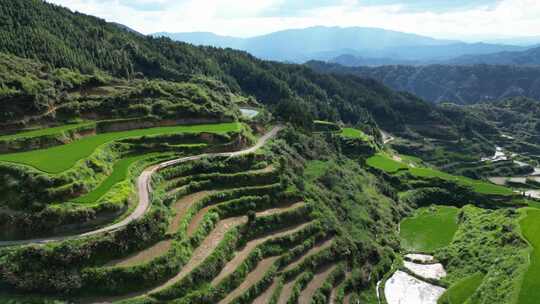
(462, 19)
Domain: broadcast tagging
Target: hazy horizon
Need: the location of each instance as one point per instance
(470, 21)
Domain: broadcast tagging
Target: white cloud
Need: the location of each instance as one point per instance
(247, 17)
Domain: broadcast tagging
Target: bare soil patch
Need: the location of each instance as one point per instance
(253, 277)
(316, 283)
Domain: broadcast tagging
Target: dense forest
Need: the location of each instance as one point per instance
(47, 33)
(460, 84)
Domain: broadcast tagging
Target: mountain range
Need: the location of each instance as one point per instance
(461, 84)
(374, 45)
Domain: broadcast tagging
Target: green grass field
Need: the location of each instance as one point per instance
(530, 287)
(354, 133)
(429, 229)
(120, 173)
(477, 185)
(411, 159)
(60, 158)
(384, 163)
(389, 165)
(460, 292)
(46, 131)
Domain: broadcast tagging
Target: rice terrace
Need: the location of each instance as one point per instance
(144, 164)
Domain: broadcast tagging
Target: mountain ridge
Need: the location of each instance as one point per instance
(300, 45)
(461, 84)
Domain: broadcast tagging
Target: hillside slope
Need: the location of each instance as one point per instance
(465, 84)
(525, 58)
(54, 35)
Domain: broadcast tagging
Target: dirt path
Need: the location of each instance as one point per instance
(197, 219)
(333, 293)
(316, 283)
(316, 249)
(252, 278)
(265, 297)
(144, 189)
(286, 292)
(144, 256)
(242, 255)
(347, 299)
(182, 206)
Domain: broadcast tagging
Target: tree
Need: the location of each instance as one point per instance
(252, 216)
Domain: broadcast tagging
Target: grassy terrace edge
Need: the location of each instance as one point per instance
(61, 158)
(384, 163)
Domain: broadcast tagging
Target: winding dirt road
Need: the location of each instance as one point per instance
(144, 190)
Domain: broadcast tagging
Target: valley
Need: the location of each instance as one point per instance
(135, 169)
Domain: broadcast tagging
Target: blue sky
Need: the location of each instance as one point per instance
(455, 19)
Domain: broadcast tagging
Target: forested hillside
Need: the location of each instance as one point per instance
(139, 170)
(461, 84)
(522, 58)
(37, 30)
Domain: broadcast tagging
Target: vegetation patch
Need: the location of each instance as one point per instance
(119, 173)
(46, 131)
(60, 158)
(478, 186)
(315, 169)
(382, 162)
(487, 241)
(530, 287)
(354, 133)
(385, 163)
(429, 229)
(325, 126)
(460, 292)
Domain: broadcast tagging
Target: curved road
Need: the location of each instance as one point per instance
(144, 190)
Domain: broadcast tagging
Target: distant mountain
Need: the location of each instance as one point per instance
(354, 61)
(205, 38)
(528, 57)
(325, 43)
(530, 41)
(461, 84)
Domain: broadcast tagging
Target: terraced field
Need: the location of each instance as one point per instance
(215, 227)
(234, 234)
(45, 131)
(429, 229)
(460, 292)
(383, 162)
(60, 158)
(530, 288)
